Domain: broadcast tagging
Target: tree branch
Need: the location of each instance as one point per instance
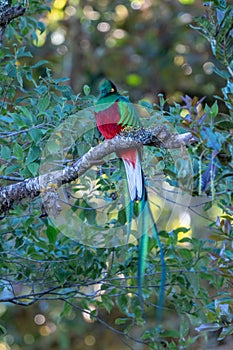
(7, 14)
(47, 184)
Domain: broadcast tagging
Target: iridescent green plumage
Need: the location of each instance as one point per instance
(113, 113)
(147, 224)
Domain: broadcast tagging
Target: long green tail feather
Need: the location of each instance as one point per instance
(129, 218)
(129, 206)
(146, 222)
(155, 235)
(143, 244)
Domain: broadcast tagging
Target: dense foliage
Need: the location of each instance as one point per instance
(45, 125)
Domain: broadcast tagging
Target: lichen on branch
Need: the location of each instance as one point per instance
(158, 136)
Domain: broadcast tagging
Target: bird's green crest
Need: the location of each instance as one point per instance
(108, 95)
(107, 88)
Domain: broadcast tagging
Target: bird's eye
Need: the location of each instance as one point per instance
(112, 89)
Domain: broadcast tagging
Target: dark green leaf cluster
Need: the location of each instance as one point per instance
(217, 27)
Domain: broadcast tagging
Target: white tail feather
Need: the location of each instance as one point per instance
(134, 178)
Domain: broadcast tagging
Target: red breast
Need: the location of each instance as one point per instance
(107, 121)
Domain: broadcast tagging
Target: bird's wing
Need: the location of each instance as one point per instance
(128, 113)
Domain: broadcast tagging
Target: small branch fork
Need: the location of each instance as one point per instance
(7, 14)
(47, 184)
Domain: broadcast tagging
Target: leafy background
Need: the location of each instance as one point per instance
(59, 294)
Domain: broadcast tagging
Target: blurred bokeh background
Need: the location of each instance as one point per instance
(145, 46)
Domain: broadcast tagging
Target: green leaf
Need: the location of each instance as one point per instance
(3, 331)
(61, 275)
(121, 218)
(5, 152)
(123, 304)
(171, 333)
(6, 119)
(18, 151)
(19, 77)
(33, 154)
(93, 314)
(61, 80)
(222, 73)
(52, 233)
(107, 302)
(36, 134)
(33, 168)
(181, 229)
(40, 63)
(214, 109)
(67, 310)
(43, 103)
(10, 70)
(184, 327)
(12, 169)
(22, 53)
(121, 320)
(28, 114)
(41, 26)
(194, 319)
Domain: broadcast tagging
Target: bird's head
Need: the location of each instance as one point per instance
(107, 88)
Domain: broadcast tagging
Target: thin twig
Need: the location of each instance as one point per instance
(7, 134)
(11, 178)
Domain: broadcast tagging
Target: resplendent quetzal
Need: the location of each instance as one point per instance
(113, 113)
